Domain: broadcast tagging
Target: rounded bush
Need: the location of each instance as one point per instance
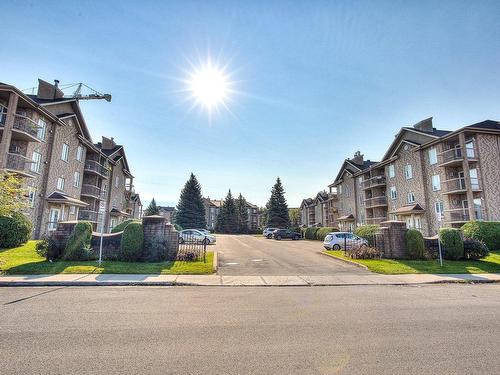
(322, 232)
(415, 246)
(14, 230)
(487, 232)
(451, 243)
(78, 245)
(120, 227)
(474, 249)
(132, 242)
(310, 233)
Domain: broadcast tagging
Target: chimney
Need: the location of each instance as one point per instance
(48, 91)
(108, 143)
(424, 125)
(358, 158)
(56, 83)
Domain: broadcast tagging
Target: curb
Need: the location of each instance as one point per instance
(346, 261)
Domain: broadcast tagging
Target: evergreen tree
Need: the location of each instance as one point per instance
(294, 214)
(152, 209)
(227, 219)
(242, 213)
(191, 210)
(277, 209)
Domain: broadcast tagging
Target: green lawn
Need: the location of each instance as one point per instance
(490, 264)
(24, 260)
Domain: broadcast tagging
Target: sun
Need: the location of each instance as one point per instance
(209, 86)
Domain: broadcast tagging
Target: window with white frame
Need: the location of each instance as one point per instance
(65, 152)
(339, 189)
(53, 218)
(439, 209)
(42, 127)
(117, 181)
(433, 159)
(36, 164)
(436, 182)
(31, 197)
(76, 179)
(60, 183)
(394, 193)
(411, 197)
(391, 171)
(408, 171)
(72, 210)
(79, 153)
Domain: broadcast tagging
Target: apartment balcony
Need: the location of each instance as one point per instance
(455, 156)
(379, 201)
(18, 163)
(88, 215)
(93, 167)
(375, 220)
(458, 185)
(92, 191)
(374, 182)
(25, 129)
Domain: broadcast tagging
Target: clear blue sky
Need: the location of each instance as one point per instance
(319, 80)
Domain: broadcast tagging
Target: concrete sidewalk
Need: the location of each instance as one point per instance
(221, 280)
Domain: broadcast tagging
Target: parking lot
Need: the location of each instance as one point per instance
(256, 255)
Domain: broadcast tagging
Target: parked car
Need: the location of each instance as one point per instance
(268, 232)
(194, 235)
(342, 240)
(279, 234)
(204, 231)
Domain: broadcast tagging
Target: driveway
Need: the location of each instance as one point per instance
(256, 255)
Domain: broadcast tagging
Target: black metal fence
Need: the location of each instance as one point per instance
(192, 247)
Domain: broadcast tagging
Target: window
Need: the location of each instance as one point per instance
(340, 189)
(411, 197)
(439, 209)
(360, 180)
(408, 171)
(477, 209)
(79, 153)
(117, 181)
(394, 193)
(60, 183)
(72, 210)
(53, 218)
(76, 179)
(433, 156)
(31, 197)
(65, 152)
(37, 162)
(42, 126)
(392, 172)
(436, 182)
(469, 147)
(474, 179)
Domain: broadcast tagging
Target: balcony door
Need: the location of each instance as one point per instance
(474, 179)
(461, 180)
(54, 216)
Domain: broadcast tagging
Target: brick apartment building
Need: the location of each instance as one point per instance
(428, 178)
(212, 208)
(44, 139)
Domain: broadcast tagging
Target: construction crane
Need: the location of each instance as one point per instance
(77, 94)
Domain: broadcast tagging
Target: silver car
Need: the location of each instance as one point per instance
(268, 232)
(342, 240)
(194, 235)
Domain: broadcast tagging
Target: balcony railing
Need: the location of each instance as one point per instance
(92, 191)
(456, 154)
(376, 201)
(374, 181)
(18, 163)
(95, 167)
(88, 215)
(459, 185)
(375, 220)
(26, 125)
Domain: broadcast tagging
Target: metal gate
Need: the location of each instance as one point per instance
(192, 247)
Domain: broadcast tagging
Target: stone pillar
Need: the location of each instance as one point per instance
(393, 233)
(154, 237)
(7, 129)
(172, 239)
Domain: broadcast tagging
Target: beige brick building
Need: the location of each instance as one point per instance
(320, 211)
(44, 139)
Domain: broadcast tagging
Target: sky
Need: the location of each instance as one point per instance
(312, 81)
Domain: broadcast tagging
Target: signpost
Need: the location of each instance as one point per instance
(102, 212)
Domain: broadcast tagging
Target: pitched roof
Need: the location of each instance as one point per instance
(487, 124)
(57, 197)
(346, 218)
(413, 208)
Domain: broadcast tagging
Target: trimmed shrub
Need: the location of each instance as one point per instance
(121, 227)
(363, 252)
(367, 232)
(474, 249)
(487, 232)
(78, 245)
(322, 232)
(14, 230)
(415, 246)
(310, 233)
(451, 243)
(177, 227)
(132, 242)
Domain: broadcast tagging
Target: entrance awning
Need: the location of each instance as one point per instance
(61, 198)
(346, 218)
(117, 212)
(407, 210)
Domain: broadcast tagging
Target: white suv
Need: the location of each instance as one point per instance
(342, 240)
(268, 232)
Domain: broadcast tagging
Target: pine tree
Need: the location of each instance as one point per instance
(277, 209)
(191, 210)
(227, 219)
(242, 214)
(152, 209)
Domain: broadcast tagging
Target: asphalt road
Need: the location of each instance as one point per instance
(256, 255)
(438, 329)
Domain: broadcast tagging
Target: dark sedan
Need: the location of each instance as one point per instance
(280, 234)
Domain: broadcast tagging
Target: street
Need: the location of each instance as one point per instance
(433, 329)
(256, 255)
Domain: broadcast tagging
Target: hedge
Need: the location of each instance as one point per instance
(120, 227)
(310, 233)
(14, 230)
(451, 243)
(78, 245)
(322, 232)
(132, 242)
(415, 246)
(484, 231)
